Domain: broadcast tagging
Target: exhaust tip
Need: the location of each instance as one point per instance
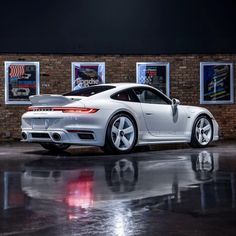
(56, 136)
(24, 135)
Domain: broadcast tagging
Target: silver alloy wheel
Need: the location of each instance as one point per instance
(203, 131)
(123, 173)
(123, 133)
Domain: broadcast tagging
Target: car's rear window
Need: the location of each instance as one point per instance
(89, 91)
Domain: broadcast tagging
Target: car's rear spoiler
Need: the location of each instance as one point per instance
(50, 100)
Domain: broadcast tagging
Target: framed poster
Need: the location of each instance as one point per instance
(216, 83)
(85, 74)
(21, 81)
(156, 74)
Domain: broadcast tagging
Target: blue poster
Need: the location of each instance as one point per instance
(216, 83)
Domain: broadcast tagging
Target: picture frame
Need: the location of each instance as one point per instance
(21, 81)
(85, 74)
(216, 83)
(156, 74)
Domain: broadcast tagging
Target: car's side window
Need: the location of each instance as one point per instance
(126, 95)
(146, 95)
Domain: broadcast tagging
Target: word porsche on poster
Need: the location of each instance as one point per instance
(216, 83)
(156, 74)
(85, 74)
(21, 81)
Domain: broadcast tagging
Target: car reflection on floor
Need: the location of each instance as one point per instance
(204, 165)
(85, 185)
(119, 194)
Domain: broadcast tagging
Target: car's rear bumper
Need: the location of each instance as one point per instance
(94, 137)
(43, 127)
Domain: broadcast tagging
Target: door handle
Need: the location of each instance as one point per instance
(148, 113)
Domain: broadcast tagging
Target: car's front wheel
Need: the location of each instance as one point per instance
(55, 147)
(202, 132)
(121, 135)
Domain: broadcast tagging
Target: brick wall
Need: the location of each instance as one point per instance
(55, 77)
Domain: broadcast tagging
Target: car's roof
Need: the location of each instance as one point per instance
(115, 87)
(126, 85)
(119, 86)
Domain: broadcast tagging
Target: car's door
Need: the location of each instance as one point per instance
(161, 119)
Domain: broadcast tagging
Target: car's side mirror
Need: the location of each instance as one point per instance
(175, 102)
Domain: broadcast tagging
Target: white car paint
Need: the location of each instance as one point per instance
(156, 123)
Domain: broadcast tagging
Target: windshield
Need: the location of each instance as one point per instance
(89, 91)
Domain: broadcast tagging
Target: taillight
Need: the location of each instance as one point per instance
(64, 109)
(39, 108)
(76, 110)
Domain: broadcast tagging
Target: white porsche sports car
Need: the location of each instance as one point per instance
(115, 117)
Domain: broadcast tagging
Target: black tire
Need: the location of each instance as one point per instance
(110, 146)
(55, 147)
(195, 143)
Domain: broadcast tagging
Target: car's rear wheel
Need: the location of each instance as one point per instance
(121, 135)
(55, 147)
(202, 132)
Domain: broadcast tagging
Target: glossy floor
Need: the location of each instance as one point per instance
(178, 191)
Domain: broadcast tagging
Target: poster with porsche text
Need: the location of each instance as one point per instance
(216, 83)
(155, 74)
(21, 81)
(85, 74)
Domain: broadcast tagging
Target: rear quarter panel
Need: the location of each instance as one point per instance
(111, 107)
